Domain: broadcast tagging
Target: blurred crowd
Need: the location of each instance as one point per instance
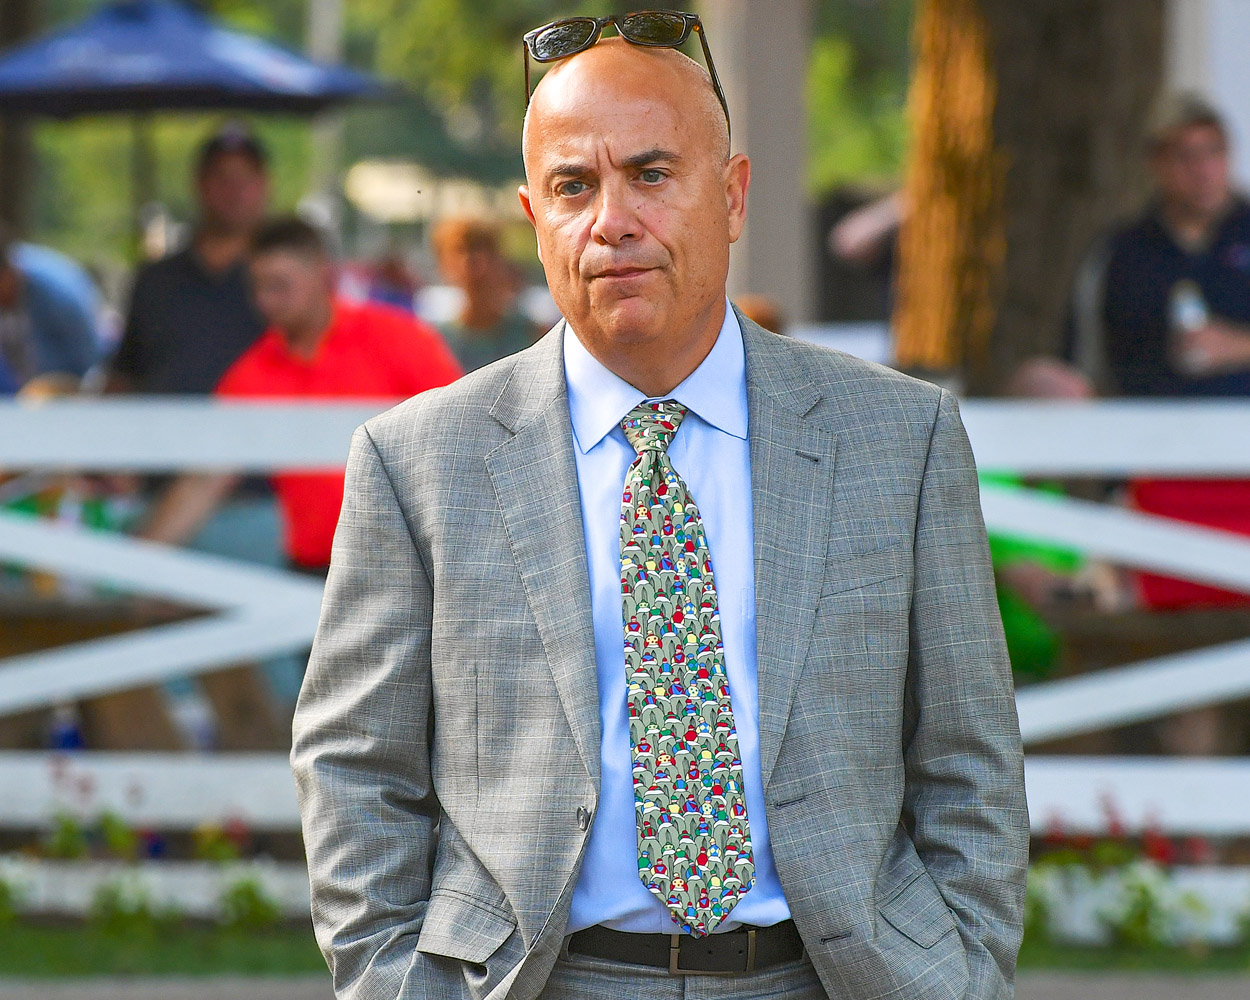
(1159, 309)
(254, 306)
(258, 307)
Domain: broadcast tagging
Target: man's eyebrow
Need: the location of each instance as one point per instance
(569, 169)
(656, 155)
(572, 168)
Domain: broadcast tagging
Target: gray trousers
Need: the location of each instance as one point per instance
(579, 977)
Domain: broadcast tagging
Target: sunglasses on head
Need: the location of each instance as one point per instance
(660, 29)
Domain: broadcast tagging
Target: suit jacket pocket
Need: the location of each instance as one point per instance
(918, 911)
(846, 573)
(458, 926)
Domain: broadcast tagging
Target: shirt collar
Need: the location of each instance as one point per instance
(716, 390)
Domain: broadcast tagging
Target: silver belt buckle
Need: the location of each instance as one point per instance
(674, 956)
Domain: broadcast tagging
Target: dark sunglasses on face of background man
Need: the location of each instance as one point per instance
(660, 29)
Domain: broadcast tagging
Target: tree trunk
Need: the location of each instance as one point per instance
(951, 246)
(1076, 79)
(1027, 124)
(18, 21)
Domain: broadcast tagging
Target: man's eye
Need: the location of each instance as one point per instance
(571, 189)
(651, 176)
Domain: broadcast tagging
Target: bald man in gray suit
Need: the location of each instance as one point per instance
(566, 732)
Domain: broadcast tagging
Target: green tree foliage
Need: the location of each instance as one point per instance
(856, 89)
(462, 64)
(465, 57)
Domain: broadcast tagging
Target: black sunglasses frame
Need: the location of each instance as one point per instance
(690, 22)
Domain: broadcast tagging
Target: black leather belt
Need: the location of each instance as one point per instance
(743, 949)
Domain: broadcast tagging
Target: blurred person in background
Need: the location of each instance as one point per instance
(761, 309)
(489, 326)
(1034, 578)
(385, 278)
(1175, 287)
(191, 314)
(49, 315)
(393, 282)
(8, 381)
(1175, 315)
(1162, 309)
(317, 346)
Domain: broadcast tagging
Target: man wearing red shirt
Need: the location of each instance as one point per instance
(317, 346)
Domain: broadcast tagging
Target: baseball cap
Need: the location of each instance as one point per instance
(232, 137)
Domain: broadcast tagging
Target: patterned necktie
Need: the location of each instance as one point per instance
(694, 845)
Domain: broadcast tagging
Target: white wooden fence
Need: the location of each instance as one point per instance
(260, 612)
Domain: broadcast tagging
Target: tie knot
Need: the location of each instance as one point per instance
(652, 426)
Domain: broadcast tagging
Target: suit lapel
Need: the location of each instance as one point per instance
(535, 479)
(792, 468)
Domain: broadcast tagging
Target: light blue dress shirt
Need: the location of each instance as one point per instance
(712, 454)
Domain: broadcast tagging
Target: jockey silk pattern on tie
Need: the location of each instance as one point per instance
(694, 845)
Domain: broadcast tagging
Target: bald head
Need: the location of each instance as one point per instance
(635, 201)
(614, 68)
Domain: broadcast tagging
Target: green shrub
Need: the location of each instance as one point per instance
(67, 840)
(118, 839)
(245, 906)
(212, 842)
(1142, 920)
(1036, 912)
(121, 908)
(8, 903)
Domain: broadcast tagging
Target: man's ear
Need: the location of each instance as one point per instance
(737, 177)
(523, 192)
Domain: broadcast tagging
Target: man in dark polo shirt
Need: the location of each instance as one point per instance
(1176, 289)
(191, 314)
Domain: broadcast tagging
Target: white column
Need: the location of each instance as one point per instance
(325, 44)
(1207, 46)
(761, 53)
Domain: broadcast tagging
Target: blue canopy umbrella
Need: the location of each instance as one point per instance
(141, 56)
(161, 55)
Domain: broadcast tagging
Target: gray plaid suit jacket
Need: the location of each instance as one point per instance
(447, 736)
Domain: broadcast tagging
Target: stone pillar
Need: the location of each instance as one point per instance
(761, 53)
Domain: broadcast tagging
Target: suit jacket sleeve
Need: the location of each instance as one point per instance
(964, 798)
(361, 744)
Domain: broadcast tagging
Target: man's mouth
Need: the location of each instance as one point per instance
(622, 272)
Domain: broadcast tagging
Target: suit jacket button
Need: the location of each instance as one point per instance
(583, 817)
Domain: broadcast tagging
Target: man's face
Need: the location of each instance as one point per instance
(469, 263)
(1191, 170)
(233, 191)
(292, 290)
(632, 200)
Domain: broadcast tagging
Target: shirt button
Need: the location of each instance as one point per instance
(583, 817)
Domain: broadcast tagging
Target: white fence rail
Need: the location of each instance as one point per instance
(158, 434)
(1195, 796)
(261, 611)
(1110, 438)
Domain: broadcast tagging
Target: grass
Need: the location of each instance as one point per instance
(66, 950)
(39, 950)
(1047, 955)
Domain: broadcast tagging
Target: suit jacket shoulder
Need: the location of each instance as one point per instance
(857, 399)
(437, 412)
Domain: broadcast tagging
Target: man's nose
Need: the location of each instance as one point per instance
(616, 219)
